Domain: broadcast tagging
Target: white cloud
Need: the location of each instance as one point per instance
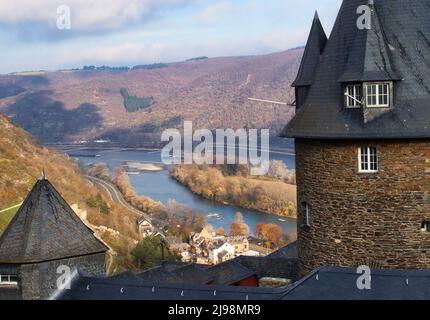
(214, 12)
(131, 53)
(179, 29)
(88, 16)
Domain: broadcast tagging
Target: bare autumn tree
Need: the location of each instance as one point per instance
(272, 233)
(257, 230)
(199, 222)
(220, 231)
(279, 170)
(263, 195)
(239, 227)
(99, 170)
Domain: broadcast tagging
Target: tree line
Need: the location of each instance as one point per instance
(231, 185)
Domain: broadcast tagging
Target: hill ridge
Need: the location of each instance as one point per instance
(87, 105)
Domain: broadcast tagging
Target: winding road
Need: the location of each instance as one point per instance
(118, 198)
(10, 208)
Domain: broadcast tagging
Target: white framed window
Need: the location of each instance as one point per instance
(353, 95)
(378, 95)
(9, 280)
(368, 160)
(425, 226)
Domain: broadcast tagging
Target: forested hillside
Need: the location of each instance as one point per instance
(132, 106)
(22, 160)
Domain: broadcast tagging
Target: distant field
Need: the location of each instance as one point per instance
(6, 217)
(29, 73)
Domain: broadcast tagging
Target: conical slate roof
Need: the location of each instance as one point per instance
(368, 56)
(311, 57)
(397, 48)
(45, 228)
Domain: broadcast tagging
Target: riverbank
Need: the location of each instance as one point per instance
(161, 187)
(138, 166)
(263, 195)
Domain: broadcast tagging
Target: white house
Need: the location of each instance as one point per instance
(145, 228)
(182, 249)
(216, 249)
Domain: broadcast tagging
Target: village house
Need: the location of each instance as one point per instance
(240, 244)
(146, 229)
(200, 241)
(224, 256)
(183, 250)
(205, 245)
(207, 234)
(218, 247)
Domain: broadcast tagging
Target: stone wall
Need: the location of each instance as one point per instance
(10, 292)
(370, 219)
(39, 281)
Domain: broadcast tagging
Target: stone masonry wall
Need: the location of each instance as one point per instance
(370, 219)
(39, 281)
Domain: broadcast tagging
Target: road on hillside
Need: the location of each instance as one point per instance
(117, 197)
(10, 208)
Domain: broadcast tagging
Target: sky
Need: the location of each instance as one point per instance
(132, 32)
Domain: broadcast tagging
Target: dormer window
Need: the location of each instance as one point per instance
(353, 95)
(369, 94)
(378, 95)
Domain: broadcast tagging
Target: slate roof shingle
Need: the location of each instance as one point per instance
(229, 272)
(397, 47)
(311, 56)
(159, 275)
(333, 283)
(194, 274)
(336, 283)
(45, 228)
(87, 288)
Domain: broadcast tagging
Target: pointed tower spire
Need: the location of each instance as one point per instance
(42, 175)
(311, 57)
(316, 16)
(45, 228)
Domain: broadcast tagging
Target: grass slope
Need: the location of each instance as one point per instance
(22, 159)
(6, 217)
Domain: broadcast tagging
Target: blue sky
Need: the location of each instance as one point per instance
(130, 32)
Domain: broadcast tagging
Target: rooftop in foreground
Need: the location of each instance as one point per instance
(45, 228)
(327, 283)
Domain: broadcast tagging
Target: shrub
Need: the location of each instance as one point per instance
(134, 103)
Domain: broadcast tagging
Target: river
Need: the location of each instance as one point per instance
(161, 187)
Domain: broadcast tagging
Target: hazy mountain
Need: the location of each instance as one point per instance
(68, 106)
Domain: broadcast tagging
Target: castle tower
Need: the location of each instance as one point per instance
(45, 234)
(362, 135)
